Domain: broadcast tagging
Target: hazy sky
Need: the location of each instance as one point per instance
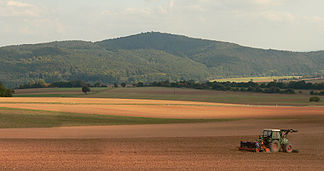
(278, 24)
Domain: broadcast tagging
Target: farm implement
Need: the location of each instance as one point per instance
(271, 140)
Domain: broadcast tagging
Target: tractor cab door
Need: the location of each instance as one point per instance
(267, 135)
(275, 135)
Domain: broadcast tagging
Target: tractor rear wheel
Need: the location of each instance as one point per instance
(288, 148)
(275, 146)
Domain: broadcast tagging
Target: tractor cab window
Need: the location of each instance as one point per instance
(267, 133)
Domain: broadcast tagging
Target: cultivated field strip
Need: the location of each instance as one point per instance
(101, 101)
(157, 108)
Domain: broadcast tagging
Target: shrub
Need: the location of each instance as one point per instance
(321, 93)
(314, 99)
(85, 89)
(5, 92)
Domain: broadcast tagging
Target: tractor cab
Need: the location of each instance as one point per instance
(273, 134)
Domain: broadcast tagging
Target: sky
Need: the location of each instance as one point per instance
(296, 25)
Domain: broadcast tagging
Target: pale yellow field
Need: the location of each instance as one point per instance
(89, 101)
(157, 108)
(256, 79)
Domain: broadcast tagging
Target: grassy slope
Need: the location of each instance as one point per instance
(23, 118)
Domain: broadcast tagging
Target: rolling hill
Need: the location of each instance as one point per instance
(148, 57)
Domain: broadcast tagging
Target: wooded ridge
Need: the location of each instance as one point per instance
(149, 57)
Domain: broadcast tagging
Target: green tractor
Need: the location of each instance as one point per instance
(271, 140)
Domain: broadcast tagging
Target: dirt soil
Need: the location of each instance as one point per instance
(205, 146)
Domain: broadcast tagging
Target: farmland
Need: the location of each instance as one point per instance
(156, 108)
(24, 118)
(54, 92)
(172, 146)
(179, 94)
(154, 128)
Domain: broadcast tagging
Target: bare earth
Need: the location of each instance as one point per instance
(201, 146)
(206, 146)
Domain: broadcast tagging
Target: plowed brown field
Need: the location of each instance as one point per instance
(207, 146)
(201, 146)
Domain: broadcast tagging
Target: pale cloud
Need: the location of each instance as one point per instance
(171, 4)
(268, 2)
(18, 4)
(135, 11)
(155, 8)
(15, 8)
(317, 20)
(247, 22)
(163, 10)
(127, 12)
(279, 16)
(21, 20)
(195, 8)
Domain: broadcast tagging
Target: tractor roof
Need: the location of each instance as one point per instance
(274, 130)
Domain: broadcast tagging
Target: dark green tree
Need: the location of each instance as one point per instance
(123, 85)
(314, 99)
(97, 84)
(140, 84)
(85, 89)
(4, 92)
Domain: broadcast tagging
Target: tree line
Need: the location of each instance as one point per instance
(4, 92)
(271, 87)
(59, 84)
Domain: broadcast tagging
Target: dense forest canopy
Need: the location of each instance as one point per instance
(148, 57)
(270, 87)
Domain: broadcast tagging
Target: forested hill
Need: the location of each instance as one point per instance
(148, 57)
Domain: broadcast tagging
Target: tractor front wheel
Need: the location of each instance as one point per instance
(275, 146)
(288, 148)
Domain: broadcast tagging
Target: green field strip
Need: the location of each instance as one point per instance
(47, 95)
(25, 118)
(61, 92)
